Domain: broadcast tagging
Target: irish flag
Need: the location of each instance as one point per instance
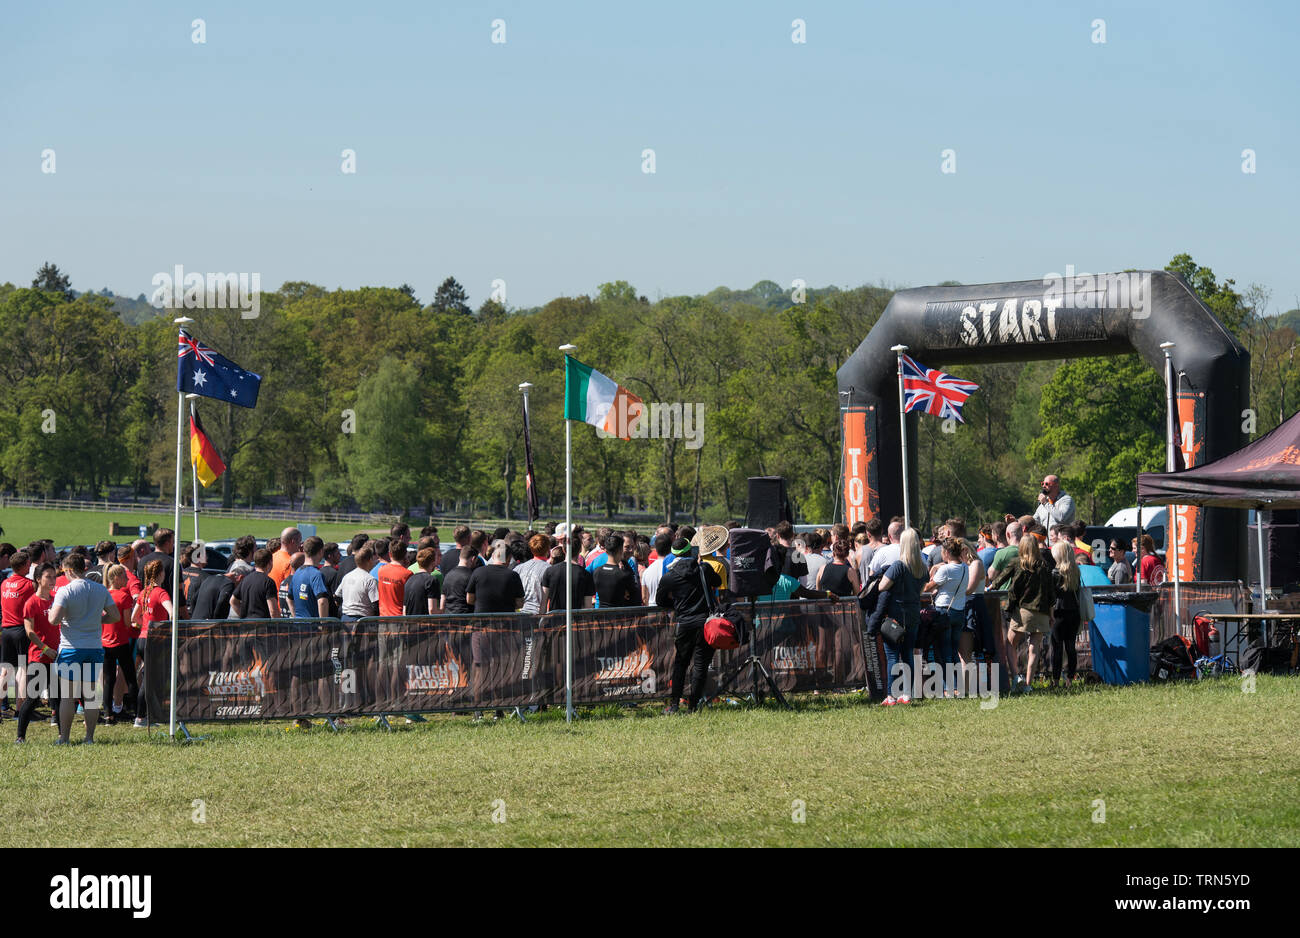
(593, 398)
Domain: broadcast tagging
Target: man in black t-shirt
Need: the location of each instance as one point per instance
(615, 581)
(193, 559)
(584, 587)
(423, 591)
(254, 597)
(212, 601)
(349, 563)
(495, 587)
(451, 557)
(329, 571)
(455, 582)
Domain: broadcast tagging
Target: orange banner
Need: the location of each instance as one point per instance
(861, 500)
(1183, 522)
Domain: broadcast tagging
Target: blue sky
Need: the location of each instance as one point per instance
(522, 161)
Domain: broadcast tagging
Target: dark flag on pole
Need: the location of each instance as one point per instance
(530, 480)
(200, 370)
(1180, 463)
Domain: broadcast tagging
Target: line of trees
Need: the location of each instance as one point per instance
(373, 400)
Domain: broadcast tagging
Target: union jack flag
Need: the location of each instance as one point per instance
(191, 346)
(933, 391)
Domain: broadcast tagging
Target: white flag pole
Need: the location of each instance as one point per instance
(1171, 513)
(194, 473)
(176, 552)
(568, 555)
(902, 434)
(528, 430)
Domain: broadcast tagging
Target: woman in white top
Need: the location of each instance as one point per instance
(949, 580)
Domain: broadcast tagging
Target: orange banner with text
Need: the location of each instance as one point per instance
(1184, 522)
(861, 492)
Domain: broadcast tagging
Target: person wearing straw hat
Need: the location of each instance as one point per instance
(710, 539)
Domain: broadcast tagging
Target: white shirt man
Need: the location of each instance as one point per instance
(887, 554)
(358, 591)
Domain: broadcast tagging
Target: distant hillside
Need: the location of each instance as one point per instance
(1290, 319)
(131, 311)
(766, 294)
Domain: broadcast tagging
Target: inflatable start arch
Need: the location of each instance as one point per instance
(1055, 317)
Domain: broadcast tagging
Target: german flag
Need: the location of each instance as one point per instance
(203, 454)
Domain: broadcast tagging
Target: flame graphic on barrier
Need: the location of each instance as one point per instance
(443, 678)
(628, 668)
(254, 681)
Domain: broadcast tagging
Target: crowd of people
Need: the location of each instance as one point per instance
(85, 612)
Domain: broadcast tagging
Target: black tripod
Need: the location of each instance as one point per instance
(757, 669)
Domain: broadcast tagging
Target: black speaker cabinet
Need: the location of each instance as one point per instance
(768, 502)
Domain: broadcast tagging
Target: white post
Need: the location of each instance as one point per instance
(194, 473)
(176, 553)
(1171, 511)
(568, 557)
(1137, 554)
(528, 431)
(839, 487)
(1263, 568)
(902, 435)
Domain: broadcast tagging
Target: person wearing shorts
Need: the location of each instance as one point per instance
(14, 593)
(1032, 594)
(81, 610)
(43, 642)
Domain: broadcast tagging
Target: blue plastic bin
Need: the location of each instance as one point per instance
(1120, 637)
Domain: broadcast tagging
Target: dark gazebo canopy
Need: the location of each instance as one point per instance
(1262, 474)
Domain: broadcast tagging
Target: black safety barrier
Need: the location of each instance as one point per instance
(234, 669)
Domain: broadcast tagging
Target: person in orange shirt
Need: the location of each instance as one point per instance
(392, 579)
(282, 564)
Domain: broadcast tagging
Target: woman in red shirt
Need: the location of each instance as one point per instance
(119, 638)
(43, 645)
(153, 606)
(1153, 571)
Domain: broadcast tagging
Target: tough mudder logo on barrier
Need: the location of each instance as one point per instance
(1070, 309)
(630, 674)
(445, 678)
(801, 656)
(240, 693)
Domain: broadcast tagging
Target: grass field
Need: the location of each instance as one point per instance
(1193, 765)
(21, 525)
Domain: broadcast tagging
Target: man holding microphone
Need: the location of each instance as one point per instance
(1054, 506)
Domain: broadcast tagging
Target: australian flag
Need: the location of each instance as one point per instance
(200, 370)
(932, 391)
